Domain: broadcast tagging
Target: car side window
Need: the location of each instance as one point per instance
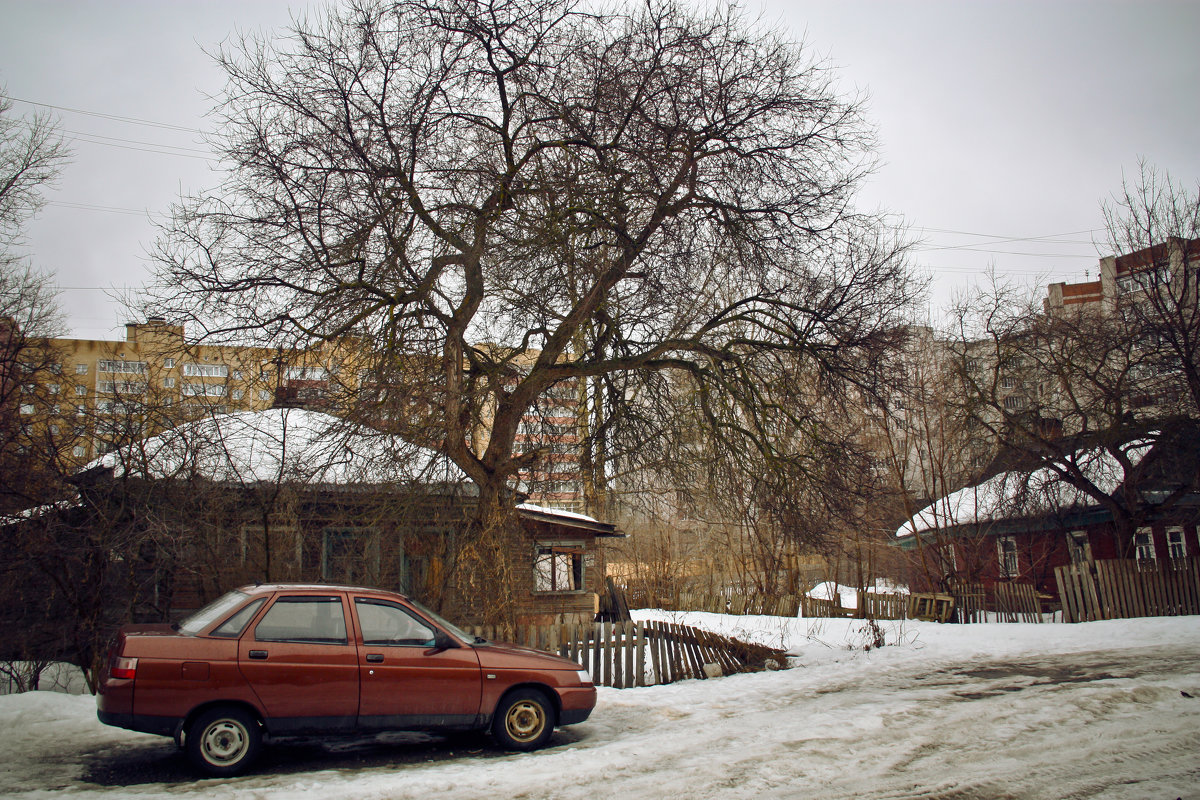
(386, 623)
(319, 620)
(233, 627)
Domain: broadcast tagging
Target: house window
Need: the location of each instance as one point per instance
(81, 369)
(1014, 402)
(53, 387)
(1143, 543)
(27, 408)
(350, 555)
(81, 391)
(1079, 546)
(1008, 382)
(168, 363)
(1006, 549)
(168, 383)
(949, 559)
(1176, 547)
(558, 567)
(79, 451)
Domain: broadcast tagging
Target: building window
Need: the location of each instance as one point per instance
(1014, 402)
(206, 370)
(27, 408)
(81, 369)
(1176, 547)
(168, 383)
(1143, 543)
(1079, 546)
(264, 395)
(558, 567)
(79, 451)
(168, 363)
(123, 367)
(306, 374)
(1006, 549)
(81, 391)
(203, 390)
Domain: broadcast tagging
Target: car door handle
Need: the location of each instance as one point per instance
(258, 655)
(374, 658)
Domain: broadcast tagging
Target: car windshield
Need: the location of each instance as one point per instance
(212, 612)
(467, 638)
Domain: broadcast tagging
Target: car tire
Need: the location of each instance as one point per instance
(524, 720)
(223, 741)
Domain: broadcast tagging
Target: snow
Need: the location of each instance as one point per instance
(556, 512)
(1040, 492)
(847, 596)
(965, 711)
(280, 444)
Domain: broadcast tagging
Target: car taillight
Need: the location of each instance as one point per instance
(125, 668)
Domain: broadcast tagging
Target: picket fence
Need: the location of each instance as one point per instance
(875, 605)
(1116, 589)
(628, 654)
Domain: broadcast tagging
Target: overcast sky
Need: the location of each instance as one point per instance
(1002, 125)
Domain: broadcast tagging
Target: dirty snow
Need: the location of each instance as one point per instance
(943, 711)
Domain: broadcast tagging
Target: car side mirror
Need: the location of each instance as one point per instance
(441, 642)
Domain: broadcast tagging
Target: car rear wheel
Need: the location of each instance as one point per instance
(524, 720)
(223, 741)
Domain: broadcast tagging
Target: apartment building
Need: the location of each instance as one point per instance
(86, 396)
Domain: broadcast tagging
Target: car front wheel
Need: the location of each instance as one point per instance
(524, 720)
(223, 741)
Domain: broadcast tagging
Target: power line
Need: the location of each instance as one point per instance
(114, 117)
(207, 153)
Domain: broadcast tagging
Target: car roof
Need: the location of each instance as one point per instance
(268, 588)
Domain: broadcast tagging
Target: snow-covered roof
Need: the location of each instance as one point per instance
(569, 518)
(1016, 493)
(280, 444)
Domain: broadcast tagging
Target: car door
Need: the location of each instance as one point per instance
(406, 680)
(301, 664)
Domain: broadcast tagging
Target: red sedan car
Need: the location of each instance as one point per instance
(290, 659)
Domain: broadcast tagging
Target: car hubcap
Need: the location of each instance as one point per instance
(525, 720)
(224, 741)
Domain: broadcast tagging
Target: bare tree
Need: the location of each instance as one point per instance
(31, 156)
(495, 197)
(1153, 227)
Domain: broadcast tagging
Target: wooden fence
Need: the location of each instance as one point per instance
(1116, 589)
(628, 654)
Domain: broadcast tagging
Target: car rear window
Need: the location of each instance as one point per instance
(212, 612)
(319, 620)
(233, 627)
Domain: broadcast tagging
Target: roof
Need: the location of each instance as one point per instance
(280, 445)
(568, 519)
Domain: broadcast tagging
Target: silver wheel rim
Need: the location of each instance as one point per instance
(224, 742)
(525, 720)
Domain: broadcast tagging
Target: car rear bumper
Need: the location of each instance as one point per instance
(161, 726)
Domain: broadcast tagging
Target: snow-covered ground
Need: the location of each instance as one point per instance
(1103, 709)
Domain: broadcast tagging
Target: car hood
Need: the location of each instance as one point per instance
(503, 655)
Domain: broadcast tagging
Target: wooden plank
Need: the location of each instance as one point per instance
(639, 635)
(595, 645)
(652, 642)
(1060, 579)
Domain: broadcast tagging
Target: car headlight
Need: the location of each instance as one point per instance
(584, 677)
